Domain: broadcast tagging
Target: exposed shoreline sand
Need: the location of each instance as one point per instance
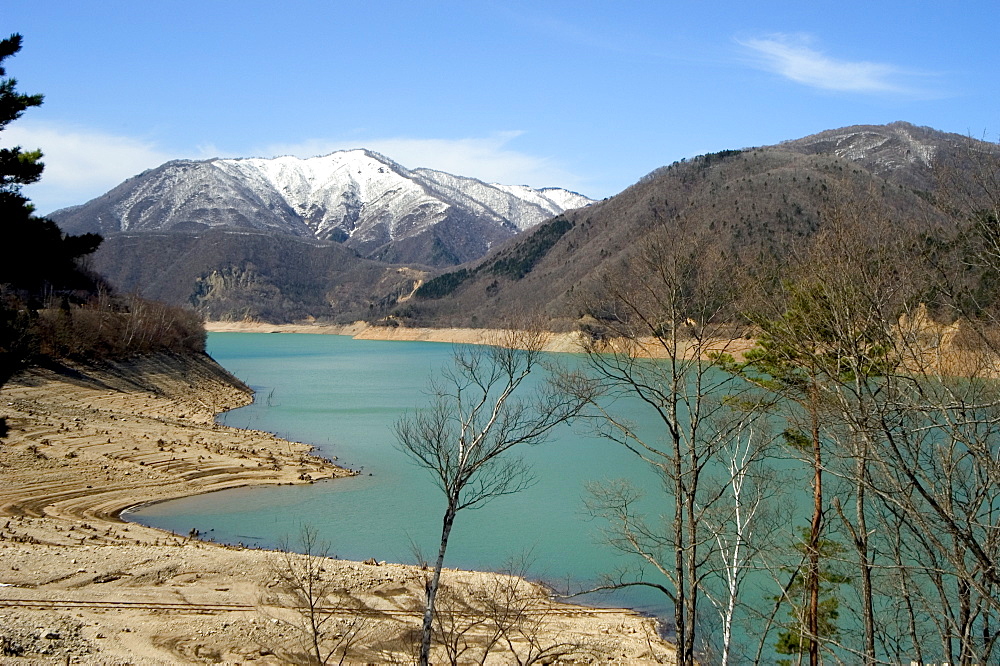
(569, 342)
(78, 583)
(557, 342)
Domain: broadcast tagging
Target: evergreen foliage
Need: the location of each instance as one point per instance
(708, 158)
(514, 263)
(41, 259)
(521, 259)
(51, 306)
(443, 284)
(794, 640)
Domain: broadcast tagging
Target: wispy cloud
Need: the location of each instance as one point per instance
(793, 57)
(80, 164)
(489, 158)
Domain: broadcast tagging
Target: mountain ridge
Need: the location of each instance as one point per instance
(356, 197)
(738, 205)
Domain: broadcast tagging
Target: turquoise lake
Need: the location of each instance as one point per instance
(343, 396)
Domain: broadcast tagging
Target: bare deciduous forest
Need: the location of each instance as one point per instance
(874, 364)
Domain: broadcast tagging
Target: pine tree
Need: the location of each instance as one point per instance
(17, 167)
(39, 258)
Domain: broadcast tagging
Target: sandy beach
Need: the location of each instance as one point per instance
(79, 585)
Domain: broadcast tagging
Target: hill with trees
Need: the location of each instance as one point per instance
(748, 209)
(224, 274)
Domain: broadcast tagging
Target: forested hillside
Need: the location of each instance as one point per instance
(823, 384)
(749, 210)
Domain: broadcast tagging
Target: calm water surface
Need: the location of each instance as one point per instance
(343, 396)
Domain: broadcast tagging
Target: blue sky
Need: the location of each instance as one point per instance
(585, 95)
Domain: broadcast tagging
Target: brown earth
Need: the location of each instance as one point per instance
(571, 342)
(79, 585)
(557, 342)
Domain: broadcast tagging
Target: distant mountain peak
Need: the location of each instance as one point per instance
(898, 151)
(357, 197)
(891, 145)
(252, 237)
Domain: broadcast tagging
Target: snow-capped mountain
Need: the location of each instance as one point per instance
(356, 197)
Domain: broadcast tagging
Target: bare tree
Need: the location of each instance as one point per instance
(659, 320)
(909, 426)
(459, 626)
(517, 615)
(737, 524)
(932, 461)
(328, 620)
(476, 417)
(919, 409)
(507, 617)
(824, 339)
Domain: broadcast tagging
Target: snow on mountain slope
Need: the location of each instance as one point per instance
(894, 144)
(185, 193)
(899, 151)
(553, 200)
(356, 197)
(520, 205)
(354, 193)
(349, 194)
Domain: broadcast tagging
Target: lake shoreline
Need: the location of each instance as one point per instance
(89, 443)
(556, 342)
(567, 342)
(140, 432)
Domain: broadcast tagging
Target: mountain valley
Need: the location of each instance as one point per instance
(353, 235)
